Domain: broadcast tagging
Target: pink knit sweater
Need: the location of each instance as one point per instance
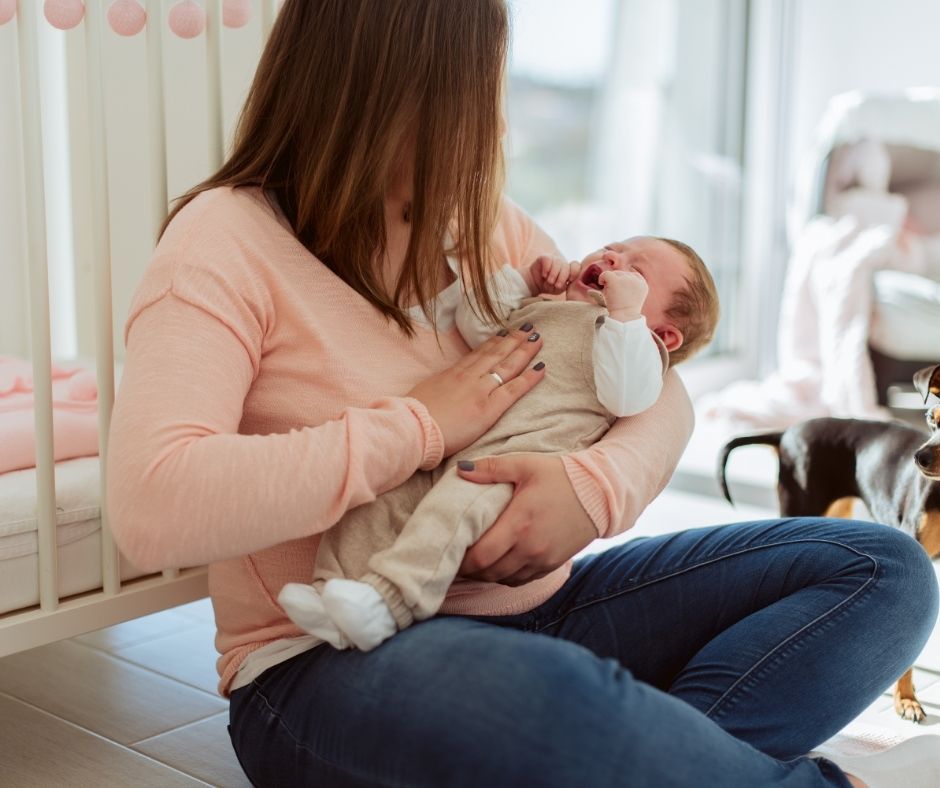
(262, 398)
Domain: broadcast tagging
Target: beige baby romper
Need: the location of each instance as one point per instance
(409, 542)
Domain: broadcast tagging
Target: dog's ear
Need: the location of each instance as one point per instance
(927, 381)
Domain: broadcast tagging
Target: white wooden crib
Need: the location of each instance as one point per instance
(135, 118)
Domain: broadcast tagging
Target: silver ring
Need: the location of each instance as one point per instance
(497, 378)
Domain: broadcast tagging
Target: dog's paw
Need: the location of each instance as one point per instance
(909, 709)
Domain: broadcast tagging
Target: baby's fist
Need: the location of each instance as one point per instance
(624, 290)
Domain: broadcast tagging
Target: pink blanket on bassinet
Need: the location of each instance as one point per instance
(74, 414)
(824, 366)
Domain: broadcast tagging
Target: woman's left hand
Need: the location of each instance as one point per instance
(542, 526)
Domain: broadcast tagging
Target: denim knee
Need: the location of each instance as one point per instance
(906, 582)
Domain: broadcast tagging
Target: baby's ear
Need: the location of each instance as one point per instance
(671, 336)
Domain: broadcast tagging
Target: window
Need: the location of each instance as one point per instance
(626, 117)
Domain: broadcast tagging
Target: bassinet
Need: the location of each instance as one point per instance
(866, 139)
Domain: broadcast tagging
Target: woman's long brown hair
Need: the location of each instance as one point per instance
(343, 90)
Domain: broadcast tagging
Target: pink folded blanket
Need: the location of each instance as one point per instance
(74, 414)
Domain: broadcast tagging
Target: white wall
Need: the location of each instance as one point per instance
(841, 45)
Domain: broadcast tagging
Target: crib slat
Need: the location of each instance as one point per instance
(214, 82)
(101, 245)
(158, 174)
(158, 154)
(39, 305)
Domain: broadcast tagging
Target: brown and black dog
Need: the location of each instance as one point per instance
(827, 463)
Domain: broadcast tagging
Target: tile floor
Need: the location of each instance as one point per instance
(135, 704)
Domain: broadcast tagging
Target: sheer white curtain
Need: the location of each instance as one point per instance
(14, 338)
(13, 290)
(629, 119)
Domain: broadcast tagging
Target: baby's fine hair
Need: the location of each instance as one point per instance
(695, 308)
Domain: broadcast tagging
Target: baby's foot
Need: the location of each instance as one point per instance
(304, 605)
(359, 611)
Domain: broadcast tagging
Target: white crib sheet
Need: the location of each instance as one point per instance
(78, 533)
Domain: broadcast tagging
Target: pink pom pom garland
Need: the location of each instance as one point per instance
(187, 19)
(7, 10)
(236, 13)
(127, 17)
(64, 14)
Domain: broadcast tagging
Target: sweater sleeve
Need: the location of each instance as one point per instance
(185, 488)
(618, 477)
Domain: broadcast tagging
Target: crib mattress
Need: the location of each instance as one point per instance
(78, 533)
(906, 321)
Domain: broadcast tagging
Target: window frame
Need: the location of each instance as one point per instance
(766, 59)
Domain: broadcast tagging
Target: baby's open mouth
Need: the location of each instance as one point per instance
(590, 277)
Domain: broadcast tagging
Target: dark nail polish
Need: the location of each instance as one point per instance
(540, 365)
(533, 337)
(502, 333)
(465, 465)
(526, 327)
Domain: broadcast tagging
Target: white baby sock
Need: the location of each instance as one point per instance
(914, 763)
(304, 606)
(359, 611)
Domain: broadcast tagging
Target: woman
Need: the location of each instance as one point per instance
(291, 354)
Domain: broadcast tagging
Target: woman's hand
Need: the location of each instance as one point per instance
(465, 400)
(542, 526)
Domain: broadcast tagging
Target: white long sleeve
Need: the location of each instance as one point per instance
(507, 290)
(628, 366)
(628, 363)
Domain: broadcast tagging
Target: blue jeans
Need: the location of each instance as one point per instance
(711, 657)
